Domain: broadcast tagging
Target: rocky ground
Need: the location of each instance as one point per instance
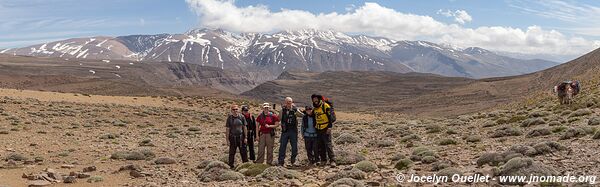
(64, 139)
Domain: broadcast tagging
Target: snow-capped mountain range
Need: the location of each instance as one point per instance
(298, 50)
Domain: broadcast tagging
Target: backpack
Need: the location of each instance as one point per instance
(329, 101)
(251, 125)
(263, 117)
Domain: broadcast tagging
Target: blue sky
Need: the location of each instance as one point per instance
(569, 27)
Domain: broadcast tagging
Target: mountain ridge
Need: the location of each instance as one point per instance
(294, 50)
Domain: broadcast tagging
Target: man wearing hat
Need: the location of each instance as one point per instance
(266, 133)
(251, 126)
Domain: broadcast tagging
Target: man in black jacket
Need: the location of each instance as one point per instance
(251, 126)
(289, 131)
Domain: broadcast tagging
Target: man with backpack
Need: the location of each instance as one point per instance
(289, 131)
(265, 134)
(251, 127)
(325, 117)
(309, 132)
(236, 134)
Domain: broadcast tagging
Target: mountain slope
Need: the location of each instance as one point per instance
(427, 94)
(299, 50)
(119, 77)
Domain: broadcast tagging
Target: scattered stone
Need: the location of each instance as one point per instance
(524, 167)
(347, 182)
(204, 163)
(366, 166)
(82, 175)
(95, 179)
(524, 150)
(38, 183)
(347, 139)
(347, 158)
(539, 132)
(410, 138)
(489, 123)
(130, 167)
(231, 175)
(38, 159)
(558, 129)
(194, 129)
(146, 142)
(573, 133)
(597, 135)
(490, 158)
(502, 120)
(53, 174)
(448, 141)
(403, 164)
(278, 173)
(398, 156)
(165, 160)
(133, 155)
(217, 171)
(536, 114)
(428, 159)
(548, 147)
(594, 121)
(353, 174)
(69, 179)
(439, 165)
(89, 169)
(472, 138)
(16, 157)
(251, 169)
(554, 123)
(532, 121)
(433, 128)
(109, 136)
(449, 172)
(420, 152)
(135, 174)
(506, 131)
(381, 143)
(67, 166)
(397, 131)
(581, 112)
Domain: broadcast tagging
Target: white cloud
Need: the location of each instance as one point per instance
(350, 7)
(374, 19)
(446, 13)
(460, 16)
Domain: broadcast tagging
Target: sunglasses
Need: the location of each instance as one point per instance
(234, 109)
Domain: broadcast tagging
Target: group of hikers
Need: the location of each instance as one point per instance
(243, 129)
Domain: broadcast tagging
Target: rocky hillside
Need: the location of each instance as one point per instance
(426, 94)
(118, 77)
(143, 141)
